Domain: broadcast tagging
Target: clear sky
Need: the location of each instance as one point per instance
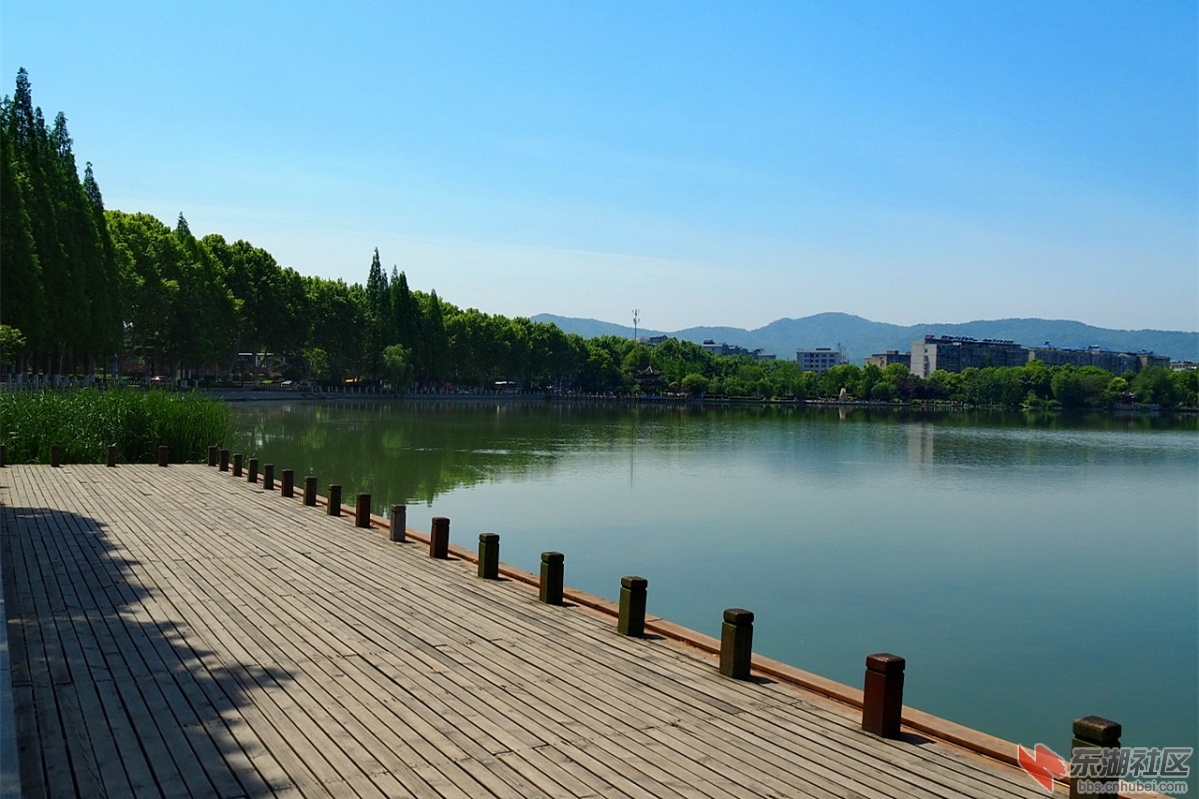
(707, 163)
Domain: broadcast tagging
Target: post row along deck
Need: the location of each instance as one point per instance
(177, 632)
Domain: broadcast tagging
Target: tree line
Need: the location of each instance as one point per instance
(87, 290)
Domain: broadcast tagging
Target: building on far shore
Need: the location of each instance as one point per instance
(1114, 362)
(818, 360)
(884, 359)
(734, 349)
(955, 353)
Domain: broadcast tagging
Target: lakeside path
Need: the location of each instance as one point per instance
(179, 632)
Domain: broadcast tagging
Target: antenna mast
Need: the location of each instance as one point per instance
(636, 316)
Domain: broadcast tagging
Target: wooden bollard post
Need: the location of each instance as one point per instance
(214, 453)
(489, 556)
(882, 702)
(362, 510)
(736, 643)
(439, 538)
(631, 621)
(310, 490)
(224, 460)
(237, 464)
(287, 487)
(3, 455)
(552, 572)
(56, 455)
(399, 522)
(112, 455)
(268, 476)
(1097, 733)
(164, 454)
(334, 506)
(252, 472)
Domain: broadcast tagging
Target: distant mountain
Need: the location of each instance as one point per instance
(591, 328)
(860, 338)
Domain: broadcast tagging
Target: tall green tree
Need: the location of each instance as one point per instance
(433, 340)
(103, 282)
(376, 318)
(337, 325)
(58, 270)
(270, 303)
(24, 305)
(405, 316)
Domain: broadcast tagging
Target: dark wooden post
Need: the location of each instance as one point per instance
(1098, 733)
(214, 453)
(334, 506)
(55, 454)
(439, 538)
(112, 454)
(287, 487)
(224, 460)
(399, 522)
(3, 455)
(882, 702)
(252, 472)
(736, 643)
(310, 490)
(164, 454)
(268, 477)
(552, 572)
(489, 556)
(631, 621)
(237, 464)
(362, 510)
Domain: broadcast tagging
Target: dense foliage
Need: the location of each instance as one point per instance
(59, 282)
(85, 423)
(88, 291)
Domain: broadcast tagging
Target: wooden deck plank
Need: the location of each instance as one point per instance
(201, 740)
(231, 642)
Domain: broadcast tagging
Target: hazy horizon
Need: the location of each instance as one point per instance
(707, 165)
(640, 326)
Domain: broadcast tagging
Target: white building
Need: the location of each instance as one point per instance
(818, 360)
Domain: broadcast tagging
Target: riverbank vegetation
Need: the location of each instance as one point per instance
(92, 292)
(85, 422)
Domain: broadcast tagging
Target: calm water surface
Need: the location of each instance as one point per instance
(1032, 570)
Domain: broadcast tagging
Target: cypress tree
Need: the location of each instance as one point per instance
(103, 283)
(23, 304)
(375, 313)
(406, 318)
(58, 271)
(71, 307)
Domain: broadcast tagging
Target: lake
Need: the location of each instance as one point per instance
(1031, 569)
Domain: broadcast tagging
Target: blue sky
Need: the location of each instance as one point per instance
(706, 163)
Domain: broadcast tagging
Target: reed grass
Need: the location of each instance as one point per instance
(86, 421)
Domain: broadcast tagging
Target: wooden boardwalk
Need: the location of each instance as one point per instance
(178, 632)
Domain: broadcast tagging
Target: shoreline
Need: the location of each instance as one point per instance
(277, 395)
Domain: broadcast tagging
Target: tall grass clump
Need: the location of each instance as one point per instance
(86, 421)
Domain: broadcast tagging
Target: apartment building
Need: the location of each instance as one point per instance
(955, 353)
